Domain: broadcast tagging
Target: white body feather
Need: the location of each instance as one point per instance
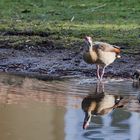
(107, 57)
(107, 102)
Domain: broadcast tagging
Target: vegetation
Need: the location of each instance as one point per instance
(67, 21)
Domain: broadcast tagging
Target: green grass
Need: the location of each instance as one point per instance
(114, 21)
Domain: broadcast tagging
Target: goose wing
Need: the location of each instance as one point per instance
(106, 47)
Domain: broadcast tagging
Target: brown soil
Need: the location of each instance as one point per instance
(57, 62)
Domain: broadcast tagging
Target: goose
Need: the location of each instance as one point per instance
(99, 104)
(136, 75)
(101, 54)
(136, 78)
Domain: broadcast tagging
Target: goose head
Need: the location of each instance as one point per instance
(89, 41)
(87, 119)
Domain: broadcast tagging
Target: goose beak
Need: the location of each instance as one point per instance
(86, 120)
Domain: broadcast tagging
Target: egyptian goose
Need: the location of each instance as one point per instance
(101, 54)
(136, 78)
(99, 104)
(136, 75)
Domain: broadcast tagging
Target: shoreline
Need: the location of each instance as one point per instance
(58, 63)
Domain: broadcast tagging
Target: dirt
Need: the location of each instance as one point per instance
(26, 33)
(58, 62)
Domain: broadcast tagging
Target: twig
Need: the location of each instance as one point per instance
(72, 18)
(98, 7)
(95, 8)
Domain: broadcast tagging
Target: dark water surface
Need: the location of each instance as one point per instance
(31, 109)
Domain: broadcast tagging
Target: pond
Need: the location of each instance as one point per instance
(32, 109)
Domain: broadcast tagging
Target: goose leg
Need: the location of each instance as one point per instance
(97, 87)
(98, 72)
(103, 71)
(103, 88)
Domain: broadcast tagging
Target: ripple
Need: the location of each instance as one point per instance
(68, 95)
(15, 89)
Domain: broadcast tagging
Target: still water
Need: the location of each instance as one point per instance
(32, 109)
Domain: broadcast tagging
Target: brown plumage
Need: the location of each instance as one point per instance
(101, 54)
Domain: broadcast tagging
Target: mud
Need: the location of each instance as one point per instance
(26, 33)
(58, 62)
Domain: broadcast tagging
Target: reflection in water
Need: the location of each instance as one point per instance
(99, 103)
(136, 81)
(32, 109)
(105, 127)
(19, 90)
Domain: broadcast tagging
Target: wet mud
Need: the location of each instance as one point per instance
(51, 61)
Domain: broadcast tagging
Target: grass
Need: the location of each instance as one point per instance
(114, 21)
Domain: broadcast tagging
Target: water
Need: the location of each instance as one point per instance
(51, 110)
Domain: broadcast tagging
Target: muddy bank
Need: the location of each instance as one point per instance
(58, 62)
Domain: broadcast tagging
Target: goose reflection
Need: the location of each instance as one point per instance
(99, 103)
